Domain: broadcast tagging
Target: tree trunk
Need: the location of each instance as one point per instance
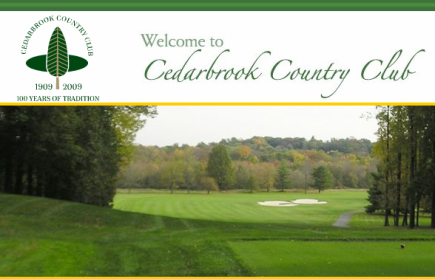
(50, 186)
(8, 173)
(412, 213)
(30, 191)
(432, 224)
(19, 178)
(405, 218)
(387, 173)
(399, 186)
(417, 217)
(412, 168)
(386, 217)
(405, 214)
(39, 183)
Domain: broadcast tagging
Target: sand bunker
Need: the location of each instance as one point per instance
(291, 203)
(277, 203)
(309, 201)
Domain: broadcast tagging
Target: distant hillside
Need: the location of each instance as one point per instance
(347, 146)
(255, 161)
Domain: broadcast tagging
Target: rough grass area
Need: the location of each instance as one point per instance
(159, 234)
(42, 237)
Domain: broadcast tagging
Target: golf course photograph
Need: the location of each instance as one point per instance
(188, 191)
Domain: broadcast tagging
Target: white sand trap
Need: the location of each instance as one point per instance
(292, 203)
(309, 201)
(277, 203)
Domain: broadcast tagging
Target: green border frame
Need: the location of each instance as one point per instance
(216, 5)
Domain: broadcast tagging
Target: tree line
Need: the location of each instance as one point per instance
(346, 146)
(70, 153)
(252, 165)
(404, 185)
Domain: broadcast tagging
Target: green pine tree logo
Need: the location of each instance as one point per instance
(57, 55)
(57, 62)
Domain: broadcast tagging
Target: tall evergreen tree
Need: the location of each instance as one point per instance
(220, 167)
(322, 178)
(375, 194)
(282, 179)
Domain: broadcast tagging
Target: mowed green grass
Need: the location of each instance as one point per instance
(44, 237)
(296, 258)
(244, 208)
(222, 234)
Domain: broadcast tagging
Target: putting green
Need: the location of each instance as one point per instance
(329, 258)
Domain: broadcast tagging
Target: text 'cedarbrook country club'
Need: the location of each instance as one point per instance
(282, 69)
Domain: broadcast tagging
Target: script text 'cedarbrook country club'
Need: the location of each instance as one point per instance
(282, 70)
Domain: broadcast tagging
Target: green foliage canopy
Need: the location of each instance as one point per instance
(322, 178)
(70, 153)
(220, 167)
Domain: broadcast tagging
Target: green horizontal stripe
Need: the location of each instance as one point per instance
(220, 6)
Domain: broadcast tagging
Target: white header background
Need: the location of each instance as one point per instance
(312, 40)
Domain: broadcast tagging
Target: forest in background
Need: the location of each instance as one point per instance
(70, 153)
(256, 164)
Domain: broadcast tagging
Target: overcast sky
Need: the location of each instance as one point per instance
(194, 124)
